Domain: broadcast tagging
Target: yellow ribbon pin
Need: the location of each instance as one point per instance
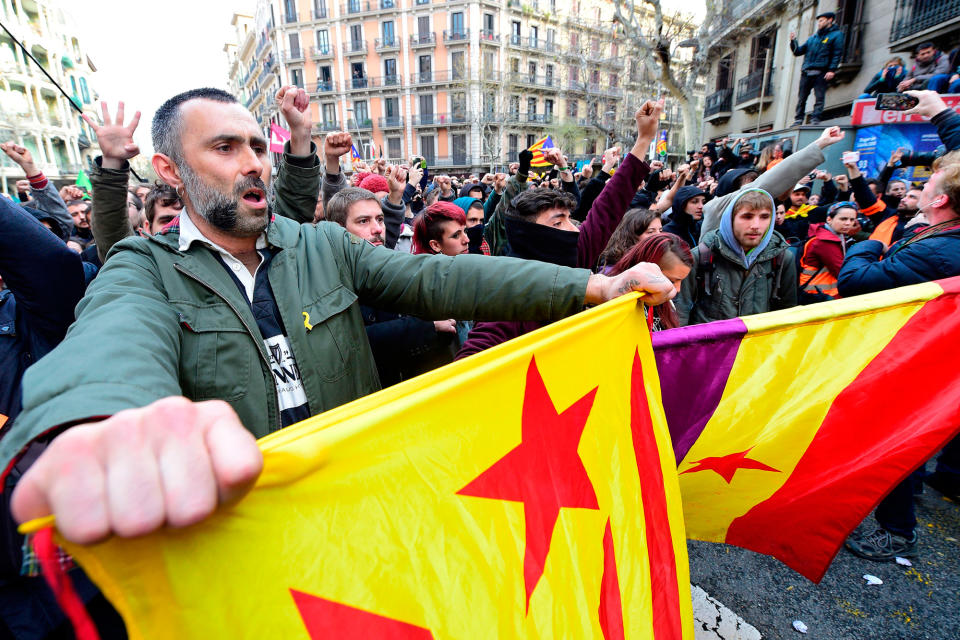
(306, 321)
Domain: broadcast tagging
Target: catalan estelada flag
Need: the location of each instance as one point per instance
(354, 154)
(790, 427)
(537, 148)
(662, 145)
(553, 512)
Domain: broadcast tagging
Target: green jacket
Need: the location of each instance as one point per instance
(728, 289)
(159, 322)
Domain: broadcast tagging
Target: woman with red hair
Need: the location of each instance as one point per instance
(673, 257)
(441, 228)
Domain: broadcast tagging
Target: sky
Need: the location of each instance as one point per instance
(146, 52)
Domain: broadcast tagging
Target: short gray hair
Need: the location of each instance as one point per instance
(165, 129)
(338, 206)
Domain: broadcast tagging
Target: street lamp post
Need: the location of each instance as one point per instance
(357, 125)
(610, 116)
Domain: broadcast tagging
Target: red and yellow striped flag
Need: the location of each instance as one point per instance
(537, 148)
(552, 512)
(803, 419)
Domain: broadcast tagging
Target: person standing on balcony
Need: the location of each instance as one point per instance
(821, 56)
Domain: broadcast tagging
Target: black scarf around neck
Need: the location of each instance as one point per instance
(539, 242)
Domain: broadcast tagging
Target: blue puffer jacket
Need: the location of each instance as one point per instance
(932, 258)
(823, 50)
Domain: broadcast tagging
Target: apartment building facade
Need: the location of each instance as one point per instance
(33, 112)
(464, 83)
(754, 82)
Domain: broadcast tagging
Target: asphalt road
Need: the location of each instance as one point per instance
(913, 603)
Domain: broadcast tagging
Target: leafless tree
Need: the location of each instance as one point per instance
(488, 92)
(675, 47)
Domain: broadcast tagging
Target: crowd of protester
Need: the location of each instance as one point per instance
(165, 284)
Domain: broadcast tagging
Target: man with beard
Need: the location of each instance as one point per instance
(231, 325)
(890, 221)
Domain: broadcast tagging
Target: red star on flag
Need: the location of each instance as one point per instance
(544, 471)
(328, 619)
(726, 466)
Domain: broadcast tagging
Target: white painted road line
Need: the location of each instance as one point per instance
(714, 621)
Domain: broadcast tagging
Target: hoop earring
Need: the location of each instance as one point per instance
(179, 195)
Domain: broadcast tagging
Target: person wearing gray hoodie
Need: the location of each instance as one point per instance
(777, 180)
(741, 268)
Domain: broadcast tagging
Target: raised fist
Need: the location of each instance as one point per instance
(337, 144)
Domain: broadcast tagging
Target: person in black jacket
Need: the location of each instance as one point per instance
(887, 79)
(687, 214)
(43, 281)
(821, 57)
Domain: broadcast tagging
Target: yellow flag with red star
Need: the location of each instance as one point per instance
(529, 491)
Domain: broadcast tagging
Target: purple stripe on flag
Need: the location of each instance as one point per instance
(694, 363)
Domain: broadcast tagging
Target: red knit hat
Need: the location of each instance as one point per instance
(375, 183)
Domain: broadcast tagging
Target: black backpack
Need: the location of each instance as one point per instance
(706, 266)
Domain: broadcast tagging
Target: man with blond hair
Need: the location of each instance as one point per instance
(932, 253)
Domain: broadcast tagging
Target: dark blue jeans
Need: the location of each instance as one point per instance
(896, 513)
(941, 83)
(818, 85)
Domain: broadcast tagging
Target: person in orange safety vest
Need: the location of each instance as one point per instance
(823, 254)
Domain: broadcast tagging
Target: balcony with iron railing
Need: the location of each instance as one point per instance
(290, 17)
(916, 19)
(429, 77)
(489, 36)
(320, 12)
(391, 122)
(358, 84)
(551, 83)
(441, 119)
(423, 40)
(538, 118)
(461, 36)
(326, 126)
(385, 82)
(322, 87)
(750, 88)
(718, 105)
(296, 55)
(734, 10)
(362, 124)
(387, 44)
(516, 41)
(357, 7)
(456, 160)
(355, 47)
(542, 45)
(321, 53)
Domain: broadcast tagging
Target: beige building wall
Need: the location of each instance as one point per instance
(410, 77)
(33, 112)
